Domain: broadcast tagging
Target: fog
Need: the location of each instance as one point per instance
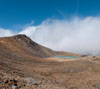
(79, 35)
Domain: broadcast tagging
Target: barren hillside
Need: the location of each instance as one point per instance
(25, 64)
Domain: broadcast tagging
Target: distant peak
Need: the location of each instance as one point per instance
(20, 35)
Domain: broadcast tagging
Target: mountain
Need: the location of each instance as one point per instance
(19, 51)
(22, 46)
(25, 64)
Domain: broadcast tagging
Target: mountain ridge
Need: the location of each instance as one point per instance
(22, 45)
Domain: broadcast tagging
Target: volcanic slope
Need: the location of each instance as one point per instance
(23, 46)
(21, 59)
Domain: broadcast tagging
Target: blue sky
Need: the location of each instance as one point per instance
(65, 25)
(16, 13)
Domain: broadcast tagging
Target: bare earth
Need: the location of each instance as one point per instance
(27, 65)
(71, 74)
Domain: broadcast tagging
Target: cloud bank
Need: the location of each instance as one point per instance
(76, 35)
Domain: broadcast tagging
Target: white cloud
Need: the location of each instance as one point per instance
(6, 32)
(28, 31)
(76, 35)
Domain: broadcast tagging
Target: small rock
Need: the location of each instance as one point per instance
(97, 86)
(36, 84)
(73, 88)
(1, 76)
(6, 81)
(30, 80)
(15, 87)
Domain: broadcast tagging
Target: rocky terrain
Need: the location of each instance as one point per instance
(25, 64)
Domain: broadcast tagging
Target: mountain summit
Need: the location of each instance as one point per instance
(22, 45)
